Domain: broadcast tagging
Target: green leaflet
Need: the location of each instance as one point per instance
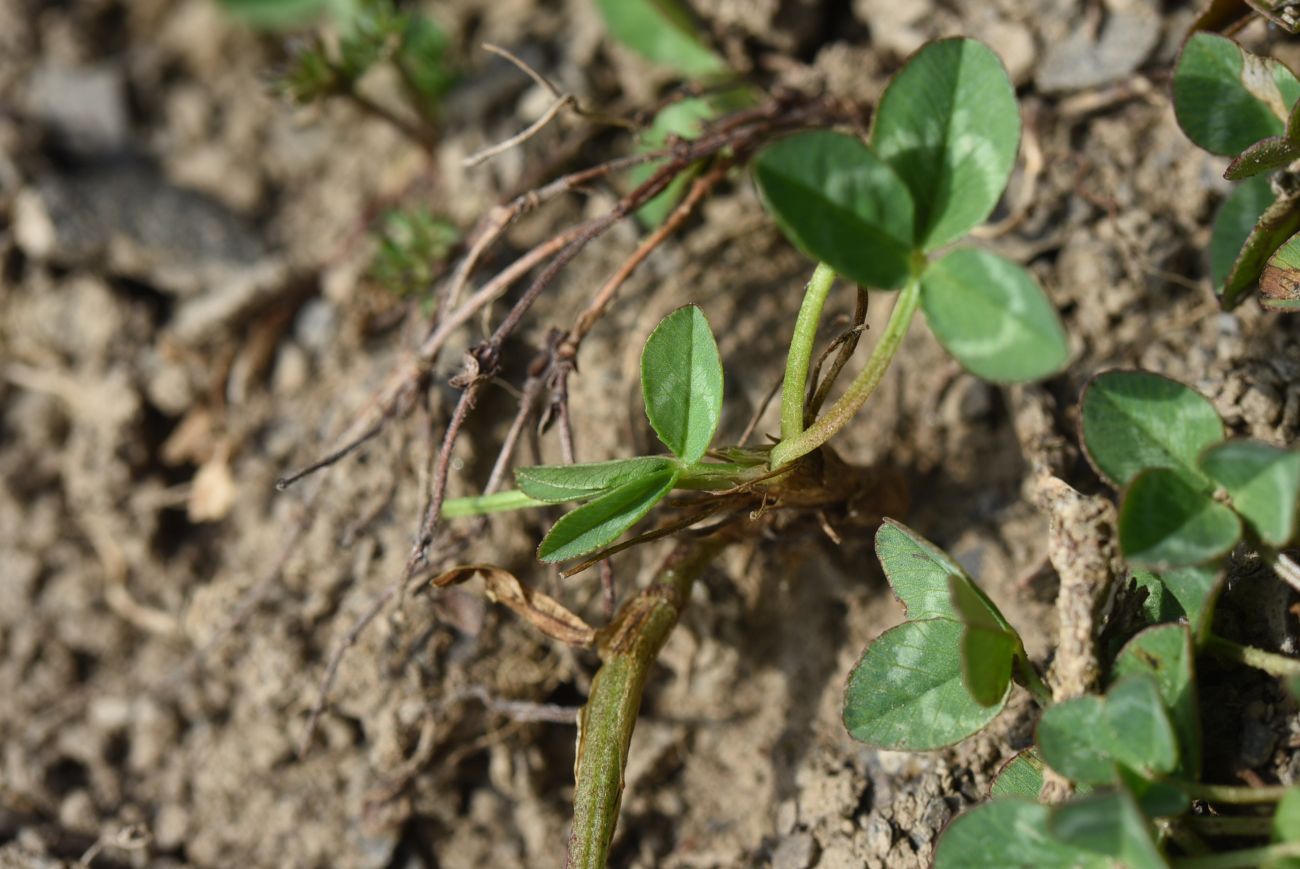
(1134, 420)
(1264, 482)
(603, 520)
(661, 31)
(949, 125)
(992, 316)
(556, 484)
(681, 383)
(1226, 98)
(840, 204)
(1165, 521)
(907, 694)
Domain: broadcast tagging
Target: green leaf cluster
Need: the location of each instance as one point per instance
(943, 674)
(880, 212)
(370, 32)
(1125, 752)
(413, 244)
(1189, 495)
(681, 385)
(1238, 104)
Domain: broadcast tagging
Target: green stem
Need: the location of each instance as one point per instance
(479, 505)
(1028, 677)
(1235, 794)
(628, 651)
(1228, 825)
(794, 388)
(1270, 662)
(1245, 858)
(842, 411)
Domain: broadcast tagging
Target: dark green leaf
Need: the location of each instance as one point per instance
(840, 204)
(992, 316)
(1279, 284)
(1280, 221)
(601, 521)
(1233, 224)
(1139, 733)
(918, 571)
(1108, 824)
(1195, 587)
(1165, 653)
(681, 383)
(1072, 740)
(1133, 420)
(1006, 833)
(988, 644)
(1226, 98)
(1160, 605)
(556, 484)
(1266, 155)
(1264, 482)
(662, 31)
(949, 124)
(1021, 776)
(1157, 798)
(906, 693)
(1164, 521)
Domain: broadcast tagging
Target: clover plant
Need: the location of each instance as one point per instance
(1131, 754)
(875, 212)
(1240, 105)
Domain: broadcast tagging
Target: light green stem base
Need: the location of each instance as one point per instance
(795, 385)
(842, 411)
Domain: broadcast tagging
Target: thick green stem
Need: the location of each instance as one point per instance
(1245, 858)
(842, 411)
(628, 652)
(1236, 794)
(1028, 677)
(795, 386)
(479, 505)
(1270, 662)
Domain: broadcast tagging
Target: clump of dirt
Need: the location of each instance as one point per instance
(186, 315)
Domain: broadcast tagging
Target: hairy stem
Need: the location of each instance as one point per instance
(843, 410)
(1245, 858)
(1270, 662)
(628, 652)
(801, 349)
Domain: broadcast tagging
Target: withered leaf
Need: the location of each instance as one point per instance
(543, 611)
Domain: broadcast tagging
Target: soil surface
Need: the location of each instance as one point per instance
(186, 314)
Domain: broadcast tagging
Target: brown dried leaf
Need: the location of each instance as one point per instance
(544, 612)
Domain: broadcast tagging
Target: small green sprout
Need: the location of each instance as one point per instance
(1237, 104)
